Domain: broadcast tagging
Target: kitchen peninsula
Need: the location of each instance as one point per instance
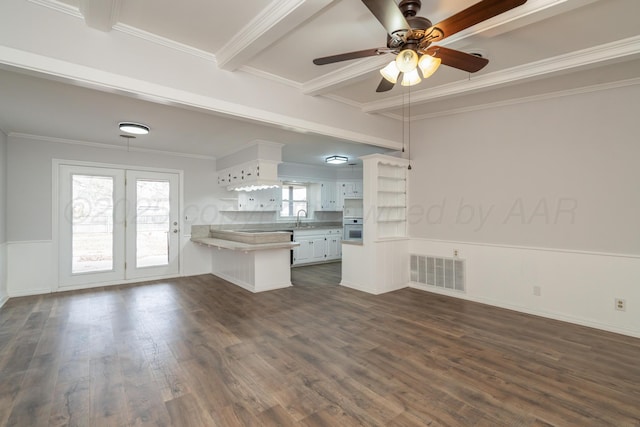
(256, 260)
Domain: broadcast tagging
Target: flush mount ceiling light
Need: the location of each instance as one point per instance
(336, 160)
(135, 128)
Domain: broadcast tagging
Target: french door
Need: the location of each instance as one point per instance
(116, 225)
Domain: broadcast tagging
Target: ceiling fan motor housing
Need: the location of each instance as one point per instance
(410, 8)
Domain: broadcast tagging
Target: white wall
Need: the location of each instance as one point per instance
(29, 205)
(3, 217)
(559, 174)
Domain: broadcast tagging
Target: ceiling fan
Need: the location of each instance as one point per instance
(410, 37)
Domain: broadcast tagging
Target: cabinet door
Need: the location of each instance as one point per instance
(328, 196)
(303, 253)
(319, 248)
(266, 200)
(333, 247)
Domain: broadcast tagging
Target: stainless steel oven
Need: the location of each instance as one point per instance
(352, 229)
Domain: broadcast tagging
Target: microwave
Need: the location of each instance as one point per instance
(352, 229)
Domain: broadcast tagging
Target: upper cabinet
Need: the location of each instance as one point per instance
(260, 200)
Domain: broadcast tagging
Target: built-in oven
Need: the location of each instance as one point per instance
(352, 229)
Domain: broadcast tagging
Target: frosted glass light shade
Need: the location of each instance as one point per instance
(407, 61)
(428, 65)
(135, 128)
(411, 78)
(391, 72)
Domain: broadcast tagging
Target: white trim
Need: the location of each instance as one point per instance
(269, 76)
(521, 100)
(360, 288)
(530, 248)
(521, 309)
(604, 52)
(270, 24)
(107, 146)
(114, 283)
(59, 7)
(345, 75)
(4, 297)
(246, 285)
(163, 41)
(55, 198)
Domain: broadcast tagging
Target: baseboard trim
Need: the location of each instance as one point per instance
(525, 310)
(360, 288)
(3, 301)
(30, 293)
(248, 286)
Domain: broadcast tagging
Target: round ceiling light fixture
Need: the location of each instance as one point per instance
(135, 128)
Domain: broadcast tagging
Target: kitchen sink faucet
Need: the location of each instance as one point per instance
(298, 217)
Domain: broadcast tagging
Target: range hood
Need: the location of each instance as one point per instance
(251, 168)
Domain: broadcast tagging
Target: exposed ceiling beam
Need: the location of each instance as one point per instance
(345, 75)
(276, 20)
(532, 11)
(625, 49)
(100, 14)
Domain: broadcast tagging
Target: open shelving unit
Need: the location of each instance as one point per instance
(390, 198)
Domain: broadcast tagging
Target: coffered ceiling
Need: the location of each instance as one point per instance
(541, 48)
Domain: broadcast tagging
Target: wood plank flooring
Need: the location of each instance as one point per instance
(199, 351)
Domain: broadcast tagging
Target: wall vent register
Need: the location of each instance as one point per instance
(445, 273)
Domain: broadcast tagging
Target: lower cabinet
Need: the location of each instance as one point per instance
(317, 245)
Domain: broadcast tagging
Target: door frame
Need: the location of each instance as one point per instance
(55, 218)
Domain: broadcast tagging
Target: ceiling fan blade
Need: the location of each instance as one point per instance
(385, 85)
(388, 14)
(456, 59)
(471, 16)
(350, 55)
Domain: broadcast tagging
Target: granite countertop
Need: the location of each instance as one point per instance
(240, 246)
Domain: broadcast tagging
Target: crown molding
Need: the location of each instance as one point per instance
(100, 14)
(523, 100)
(59, 7)
(268, 76)
(274, 21)
(345, 75)
(163, 41)
(41, 138)
(597, 54)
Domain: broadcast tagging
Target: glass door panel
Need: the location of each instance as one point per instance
(152, 230)
(152, 223)
(92, 229)
(91, 225)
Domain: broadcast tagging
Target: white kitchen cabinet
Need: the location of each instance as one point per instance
(317, 245)
(334, 245)
(328, 197)
(348, 190)
(260, 200)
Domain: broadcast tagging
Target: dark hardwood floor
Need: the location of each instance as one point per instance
(198, 351)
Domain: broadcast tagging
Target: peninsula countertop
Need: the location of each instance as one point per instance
(240, 246)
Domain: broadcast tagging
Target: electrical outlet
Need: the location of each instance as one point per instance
(621, 305)
(537, 291)
(455, 253)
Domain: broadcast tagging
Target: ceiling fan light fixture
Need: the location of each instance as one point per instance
(428, 65)
(391, 72)
(336, 160)
(134, 128)
(407, 61)
(411, 78)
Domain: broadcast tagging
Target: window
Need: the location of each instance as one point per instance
(294, 200)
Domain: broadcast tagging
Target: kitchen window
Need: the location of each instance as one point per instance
(294, 200)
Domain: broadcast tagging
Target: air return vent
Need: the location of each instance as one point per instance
(446, 273)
